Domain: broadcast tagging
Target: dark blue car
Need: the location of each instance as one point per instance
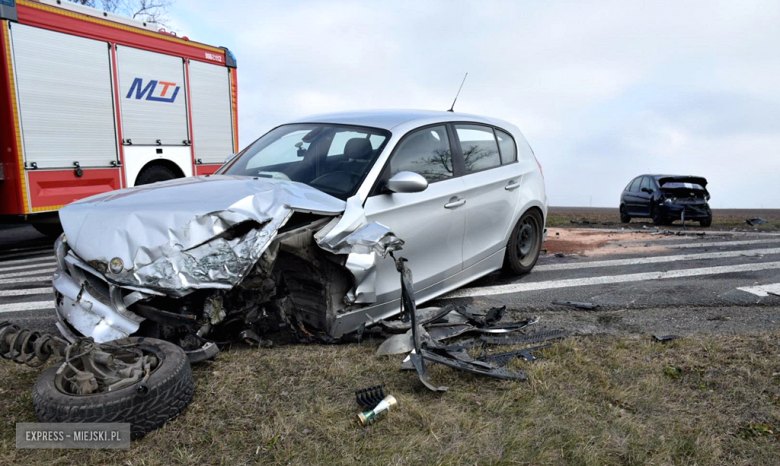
(666, 198)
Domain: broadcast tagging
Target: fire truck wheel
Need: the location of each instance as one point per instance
(147, 406)
(52, 230)
(154, 174)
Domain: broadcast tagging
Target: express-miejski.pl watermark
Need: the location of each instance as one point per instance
(73, 435)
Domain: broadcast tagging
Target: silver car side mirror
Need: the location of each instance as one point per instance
(406, 182)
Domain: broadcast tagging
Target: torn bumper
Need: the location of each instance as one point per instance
(692, 211)
(95, 309)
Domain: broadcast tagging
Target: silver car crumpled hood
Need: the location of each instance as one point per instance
(175, 236)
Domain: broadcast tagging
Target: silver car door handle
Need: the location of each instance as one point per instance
(454, 204)
(512, 185)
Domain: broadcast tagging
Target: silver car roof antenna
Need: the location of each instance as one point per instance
(452, 109)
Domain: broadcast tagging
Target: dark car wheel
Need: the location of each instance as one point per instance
(167, 392)
(658, 217)
(154, 174)
(706, 222)
(624, 217)
(525, 244)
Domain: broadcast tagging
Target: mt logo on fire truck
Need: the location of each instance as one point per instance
(148, 90)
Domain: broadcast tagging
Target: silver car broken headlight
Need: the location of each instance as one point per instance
(61, 250)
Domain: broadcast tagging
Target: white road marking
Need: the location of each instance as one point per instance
(8, 281)
(28, 253)
(28, 261)
(762, 290)
(26, 291)
(33, 306)
(721, 243)
(610, 279)
(42, 247)
(22, 267)
(655, 259)
(29, 272)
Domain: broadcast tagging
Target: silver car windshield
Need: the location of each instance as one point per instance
(331, 158)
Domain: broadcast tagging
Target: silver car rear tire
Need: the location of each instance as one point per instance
(524, 244)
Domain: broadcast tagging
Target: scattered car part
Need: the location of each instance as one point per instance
(141, 381)
(537, 337)
(756, 221)
(577, 305)
(368, 398)
(481, 319)
(560, 254)
(379, 411)
(665, 337)
(425, 316)
(426, 349)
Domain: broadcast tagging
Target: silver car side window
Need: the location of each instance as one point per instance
(507, 146)
(425, 151)
(479, 147)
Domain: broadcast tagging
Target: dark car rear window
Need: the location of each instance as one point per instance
(675, 185)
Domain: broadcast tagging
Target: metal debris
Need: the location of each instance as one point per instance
(665, 337)
(425, 341)
(756, 221)
(574, 304)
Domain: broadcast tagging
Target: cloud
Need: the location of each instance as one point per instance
(603, 90)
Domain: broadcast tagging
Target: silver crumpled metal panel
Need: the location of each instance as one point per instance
(175, 236)
(364, 243)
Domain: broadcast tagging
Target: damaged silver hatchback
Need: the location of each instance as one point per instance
(292, 232)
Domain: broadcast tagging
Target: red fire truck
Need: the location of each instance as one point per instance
(91, 102)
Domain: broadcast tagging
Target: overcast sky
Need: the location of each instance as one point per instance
(603, 90)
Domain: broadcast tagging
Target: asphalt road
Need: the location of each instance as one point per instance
(721, 282)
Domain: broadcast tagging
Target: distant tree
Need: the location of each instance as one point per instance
(150, 11)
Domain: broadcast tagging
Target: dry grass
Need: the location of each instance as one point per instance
(601, 401)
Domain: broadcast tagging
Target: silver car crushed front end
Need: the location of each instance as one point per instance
(215, 262)
(87, 302)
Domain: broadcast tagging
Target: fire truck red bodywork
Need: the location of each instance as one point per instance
(25, 192)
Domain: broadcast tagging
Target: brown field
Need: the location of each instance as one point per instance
(606, 217)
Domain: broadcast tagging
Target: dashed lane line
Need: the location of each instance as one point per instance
(26, 292)
(31, 306)
(763, 290)
(28, 261)
(9, 281)
(28, 273)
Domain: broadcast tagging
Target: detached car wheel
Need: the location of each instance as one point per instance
(525, 244)
(624, 217)
(146, 406)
